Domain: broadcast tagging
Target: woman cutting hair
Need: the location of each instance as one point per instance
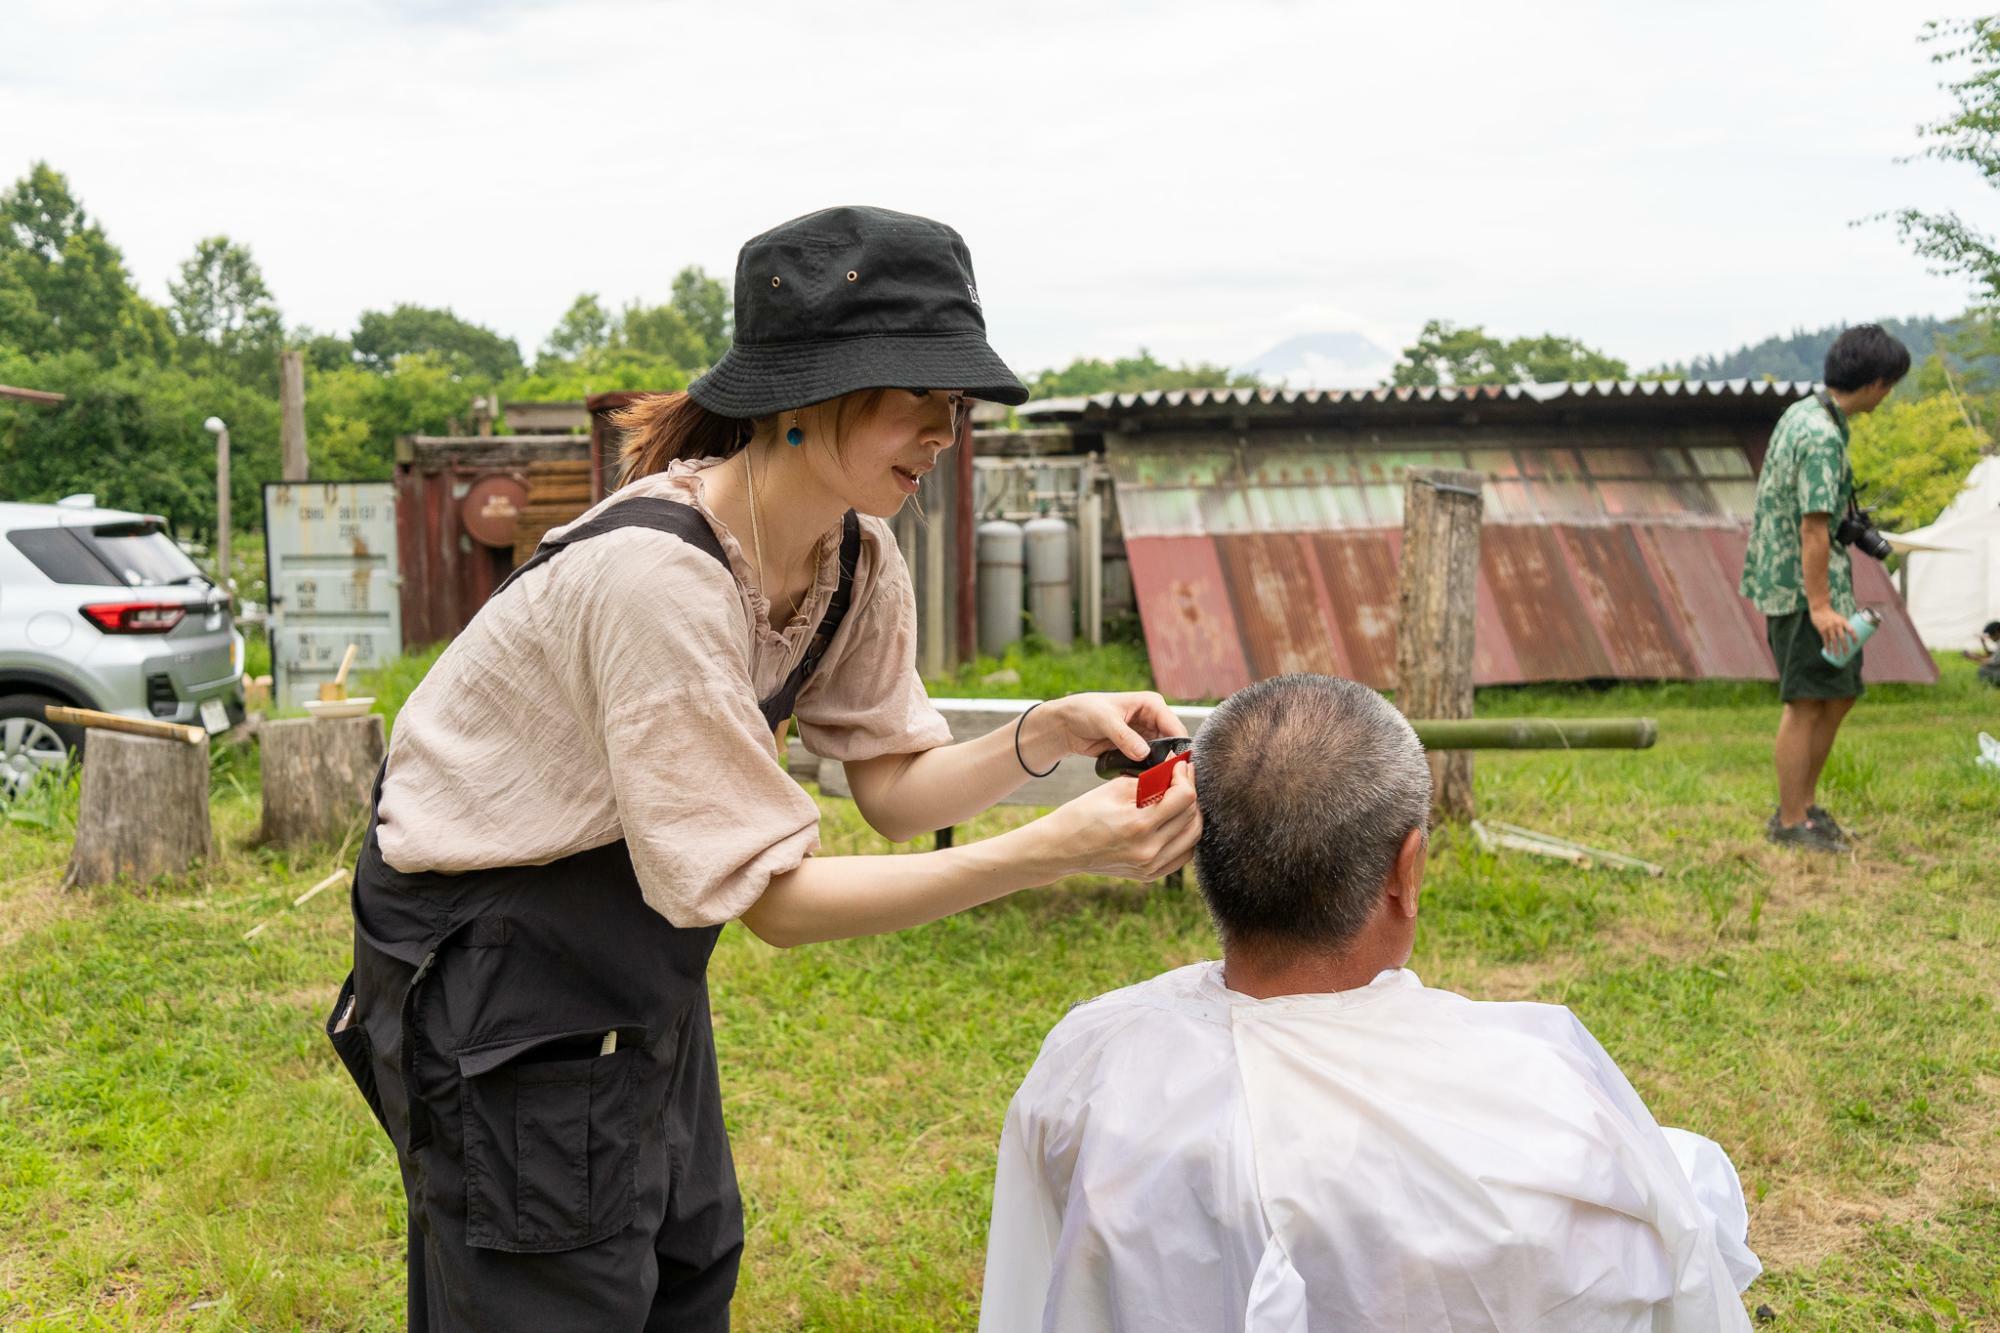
(586, 787)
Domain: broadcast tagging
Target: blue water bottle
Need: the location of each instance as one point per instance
(1864, 623)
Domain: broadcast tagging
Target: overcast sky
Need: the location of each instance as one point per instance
(1204, 179)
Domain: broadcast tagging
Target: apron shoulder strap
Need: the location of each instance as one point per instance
(685, 522)
(779, 706)
(643, 511)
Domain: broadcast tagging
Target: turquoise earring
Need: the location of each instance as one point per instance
(795, 437)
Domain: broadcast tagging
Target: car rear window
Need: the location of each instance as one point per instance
(58, 553)
(141, 556)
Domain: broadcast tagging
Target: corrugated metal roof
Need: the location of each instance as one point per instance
(1104, 404)
(1202, 490)
(1557, 601)
(1610, 549)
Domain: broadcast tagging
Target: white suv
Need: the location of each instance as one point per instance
(99, 609)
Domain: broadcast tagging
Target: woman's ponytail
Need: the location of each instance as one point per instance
(663, 427)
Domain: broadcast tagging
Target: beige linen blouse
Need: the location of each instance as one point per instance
(613, 693)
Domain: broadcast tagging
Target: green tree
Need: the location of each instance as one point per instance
(1911, 457)
(584, 327)
(662, 333)
(1952, 244)
(63, 284)
(224, 313)
(1446, 354)
(323, 351)
(353, 414)
(1132, 374)
(1552, 360)
(1801, 354)
(468, 348)
(706, 305)
(131, 434)
(605, 370)
(687, 334)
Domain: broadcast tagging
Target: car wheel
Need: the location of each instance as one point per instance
(30, 743)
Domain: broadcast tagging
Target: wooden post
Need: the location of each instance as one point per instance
(965, 639)
(1090, 558)
(317, 777)
(1435, 616)
(292, 415)
(934, 633)
(904, 526)
(143, 811)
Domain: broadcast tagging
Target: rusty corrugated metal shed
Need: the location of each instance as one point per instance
(1559, 602)
(447, 576)
(1183, 400)
(1606, 553)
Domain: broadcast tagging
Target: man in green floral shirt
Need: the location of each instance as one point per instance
(1800, 578)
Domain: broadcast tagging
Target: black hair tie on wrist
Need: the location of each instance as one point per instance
(1017, 743)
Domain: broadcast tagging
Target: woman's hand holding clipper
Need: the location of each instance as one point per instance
(1106, 831)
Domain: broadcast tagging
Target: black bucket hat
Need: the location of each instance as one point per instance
(853, 298)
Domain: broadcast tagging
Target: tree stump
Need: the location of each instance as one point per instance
(1436, 611)
(318, 776)
(143, 812)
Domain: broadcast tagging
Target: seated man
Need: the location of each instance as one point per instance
(1304, 1137)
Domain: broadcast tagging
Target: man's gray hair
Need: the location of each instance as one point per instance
(1308, 785)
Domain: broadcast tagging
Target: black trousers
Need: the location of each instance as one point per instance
(551, 1185)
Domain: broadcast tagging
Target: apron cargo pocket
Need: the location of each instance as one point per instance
(356, 1052)
(551, 1140)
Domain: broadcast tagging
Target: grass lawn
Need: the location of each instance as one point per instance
(179, 1149)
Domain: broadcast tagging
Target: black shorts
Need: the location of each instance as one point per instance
(1802, 672)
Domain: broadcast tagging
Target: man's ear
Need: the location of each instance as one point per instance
(1406, 876)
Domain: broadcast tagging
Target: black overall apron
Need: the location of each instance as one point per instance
(558, 1176)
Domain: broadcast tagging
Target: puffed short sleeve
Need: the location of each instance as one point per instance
(658, 673)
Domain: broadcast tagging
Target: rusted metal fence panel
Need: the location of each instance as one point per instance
(1555, 602)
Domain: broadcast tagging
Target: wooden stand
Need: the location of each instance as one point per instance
(144, 810)
(317, 777)
(1436, 613)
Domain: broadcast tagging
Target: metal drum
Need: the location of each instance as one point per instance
(1000, 576)
(1051, 574)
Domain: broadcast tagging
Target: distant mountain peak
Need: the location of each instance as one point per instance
(1332, 359)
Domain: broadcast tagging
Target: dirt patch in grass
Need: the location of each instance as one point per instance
(30, 903)
(1800, 1223)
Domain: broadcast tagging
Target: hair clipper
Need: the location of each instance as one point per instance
(1155, 772)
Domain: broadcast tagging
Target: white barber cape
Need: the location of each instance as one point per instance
(1392, 1157)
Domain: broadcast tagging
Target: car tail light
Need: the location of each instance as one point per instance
(135, 617)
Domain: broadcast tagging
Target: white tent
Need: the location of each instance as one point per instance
(1953, 592)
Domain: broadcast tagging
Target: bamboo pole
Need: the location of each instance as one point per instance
(1442, 735)
(1588, 733)
(135, 726)
(1597, 855)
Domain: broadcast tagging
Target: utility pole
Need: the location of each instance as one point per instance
(292, 415)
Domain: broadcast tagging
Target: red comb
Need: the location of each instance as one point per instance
(1153, 783)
